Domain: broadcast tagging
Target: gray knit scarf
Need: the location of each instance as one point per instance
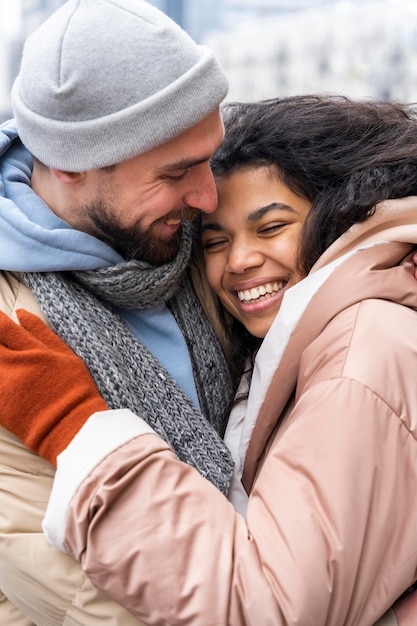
(80, 308)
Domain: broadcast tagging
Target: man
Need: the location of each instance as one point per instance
(107, 161)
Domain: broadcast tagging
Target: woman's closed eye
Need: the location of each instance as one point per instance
(215, 244)
(272, 229)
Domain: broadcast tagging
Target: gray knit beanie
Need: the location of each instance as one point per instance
(102, 81)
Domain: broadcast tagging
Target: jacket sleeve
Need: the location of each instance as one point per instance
(320, 544)
(41, 585)
(10, 614)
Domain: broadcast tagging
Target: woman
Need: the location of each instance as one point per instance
(328, 438)
(252, 238)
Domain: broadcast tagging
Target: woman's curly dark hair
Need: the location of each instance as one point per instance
(344, 156)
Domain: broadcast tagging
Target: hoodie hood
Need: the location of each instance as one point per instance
(32, 237)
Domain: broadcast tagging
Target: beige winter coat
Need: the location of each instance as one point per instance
(38, 584)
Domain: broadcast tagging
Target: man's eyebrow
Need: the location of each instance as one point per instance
(184, 164)
(253, 216)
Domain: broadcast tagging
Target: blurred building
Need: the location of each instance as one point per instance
(10, 25)
(36, 11)
(18, 18)
(199, 18)
(363, 48)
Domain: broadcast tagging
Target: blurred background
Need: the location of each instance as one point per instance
(361, 48)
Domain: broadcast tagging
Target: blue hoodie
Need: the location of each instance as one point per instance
(34, 239)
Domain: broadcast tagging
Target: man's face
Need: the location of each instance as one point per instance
(138, 205)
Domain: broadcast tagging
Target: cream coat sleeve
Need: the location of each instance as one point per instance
(39, 584)
(10, 614)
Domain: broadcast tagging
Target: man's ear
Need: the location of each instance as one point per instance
(67, 178)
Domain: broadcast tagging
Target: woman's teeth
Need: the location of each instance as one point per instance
(257, 292)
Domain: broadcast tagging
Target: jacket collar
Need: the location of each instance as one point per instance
(369, 273)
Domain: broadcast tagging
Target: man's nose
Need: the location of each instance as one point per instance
(202, 194)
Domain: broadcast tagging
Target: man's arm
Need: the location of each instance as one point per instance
(46, 585)
(41, 585)
(11, 615)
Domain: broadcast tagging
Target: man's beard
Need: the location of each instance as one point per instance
(139, 245)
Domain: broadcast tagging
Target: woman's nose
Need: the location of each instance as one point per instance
(243, 256)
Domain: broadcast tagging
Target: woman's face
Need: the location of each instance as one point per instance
(250, 245)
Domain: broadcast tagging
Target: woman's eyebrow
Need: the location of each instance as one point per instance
(210, 226)
(252, 217)
(273, 206)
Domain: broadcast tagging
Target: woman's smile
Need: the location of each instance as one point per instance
(250, 244)
(263, 292)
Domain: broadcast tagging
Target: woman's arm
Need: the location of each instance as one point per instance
(308, 553)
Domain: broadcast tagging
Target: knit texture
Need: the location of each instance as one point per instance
(126, 373)
(137, 284)
(102, 81)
